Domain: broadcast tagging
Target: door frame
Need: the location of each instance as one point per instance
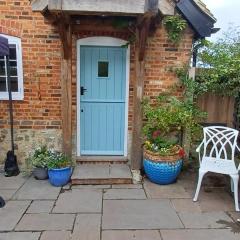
(104, 42)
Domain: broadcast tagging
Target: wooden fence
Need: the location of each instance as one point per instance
(220, 109)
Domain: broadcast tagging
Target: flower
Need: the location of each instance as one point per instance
(181, 152)
(147, 143)
(156, 134)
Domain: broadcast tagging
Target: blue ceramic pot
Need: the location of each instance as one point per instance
(59, 177)
(162, 172)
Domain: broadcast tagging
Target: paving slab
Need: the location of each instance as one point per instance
(165, 191)
(124, 194)
(37, 190)
(37, 206)
(130, 186)
(235, 216)
(197, 234)
(79, 201)
(19, 236)
(87, 226)
(185, 205)
(7, 194)
(11, 214)
(12, 182)
(139, 214)
(204, 220)
(131, 235)
(56, 235)
(216, 200)
(44, 222)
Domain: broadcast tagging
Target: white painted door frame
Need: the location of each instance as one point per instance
(106, 42)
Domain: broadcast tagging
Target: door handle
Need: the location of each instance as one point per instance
(83, 90)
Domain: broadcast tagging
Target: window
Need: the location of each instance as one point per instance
(102, 69)
(15, 69)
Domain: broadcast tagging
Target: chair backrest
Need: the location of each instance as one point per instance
(220, 142)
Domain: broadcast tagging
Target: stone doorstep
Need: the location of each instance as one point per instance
(101, 159)
(101, 174)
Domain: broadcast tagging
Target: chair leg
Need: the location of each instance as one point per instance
(235, 179)
(232, 185)
(200, 178)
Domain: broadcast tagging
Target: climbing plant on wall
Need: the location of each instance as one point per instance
(175, 25)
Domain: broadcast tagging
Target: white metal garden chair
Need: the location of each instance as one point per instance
(219, 146)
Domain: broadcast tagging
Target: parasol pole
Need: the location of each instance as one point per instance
(10, 103)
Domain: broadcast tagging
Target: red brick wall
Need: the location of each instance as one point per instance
(41, 107)
(161, 56)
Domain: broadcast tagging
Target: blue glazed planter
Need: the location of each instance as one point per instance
(59, 177)
(162, 172)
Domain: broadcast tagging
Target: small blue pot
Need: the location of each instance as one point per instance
(162, 172)
(59, 177)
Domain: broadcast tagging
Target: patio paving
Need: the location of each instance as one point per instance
(35, 210)
(139, 214)
(37, 190)
(79, 201)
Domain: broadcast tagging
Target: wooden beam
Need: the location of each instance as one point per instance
(142, 32)
(50, 17)
(66, 88)
(64, 26)
(55, 5)
(143, 35)
(151, 6)
(104, 6)
(138, 85)
(39, 5)
(166, 7)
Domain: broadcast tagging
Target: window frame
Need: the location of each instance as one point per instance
(20, 94)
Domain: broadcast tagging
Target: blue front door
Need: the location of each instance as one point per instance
(102, 101)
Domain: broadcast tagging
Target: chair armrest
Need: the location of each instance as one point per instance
(238, 148)
(199, 147)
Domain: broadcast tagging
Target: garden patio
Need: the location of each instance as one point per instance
(35, 210)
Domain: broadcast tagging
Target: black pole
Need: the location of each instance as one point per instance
(10, 103)
(11, 166)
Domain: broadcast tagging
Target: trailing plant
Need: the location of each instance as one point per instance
(38, 159)
(59, 160)
(175, 26)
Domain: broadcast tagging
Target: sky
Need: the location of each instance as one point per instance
(227, 13)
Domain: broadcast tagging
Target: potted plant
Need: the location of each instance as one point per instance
(164, 121)
(59, 169)
(37, 162)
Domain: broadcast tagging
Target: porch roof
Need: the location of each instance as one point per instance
(122, 7)
(194, 11)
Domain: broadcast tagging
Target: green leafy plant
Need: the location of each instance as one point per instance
(220, 63)
(59, 160)
(175, 26)
(39, 158)
(165, 120)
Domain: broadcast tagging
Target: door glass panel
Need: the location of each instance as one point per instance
(103, 69)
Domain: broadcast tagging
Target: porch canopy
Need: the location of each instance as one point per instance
(67, 16)
(194, 11)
